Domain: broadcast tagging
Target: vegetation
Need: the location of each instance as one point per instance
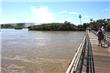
(7, 26)
(20, 26)
(66, 26)
(95, 25)
(14, 25)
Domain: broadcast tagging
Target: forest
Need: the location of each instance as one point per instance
(66, 26)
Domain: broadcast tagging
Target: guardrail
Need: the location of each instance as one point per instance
(76, 64)
(107, 39)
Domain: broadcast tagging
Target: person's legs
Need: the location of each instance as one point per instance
(99, 42)
(104, 41)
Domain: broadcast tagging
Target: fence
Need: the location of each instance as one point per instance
(84, 50)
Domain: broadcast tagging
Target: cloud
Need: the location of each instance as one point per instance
(63, 12)
(86, 16)
(69, 12)
(73, 13)
(42, 15)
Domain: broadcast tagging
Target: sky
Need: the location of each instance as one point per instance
(48, 11)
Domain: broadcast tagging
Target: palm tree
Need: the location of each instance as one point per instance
(91, 20)
(80, 19)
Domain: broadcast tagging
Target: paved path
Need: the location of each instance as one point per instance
(101, 55)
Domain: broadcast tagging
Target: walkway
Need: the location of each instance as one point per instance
(101, 56)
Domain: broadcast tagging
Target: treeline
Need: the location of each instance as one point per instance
(95, 25)
(66, 26)
(13, 25)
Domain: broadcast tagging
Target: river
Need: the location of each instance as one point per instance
(26, 51)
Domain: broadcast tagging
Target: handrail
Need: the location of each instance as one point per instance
(77, 57)
(84, 51)
(107, 39)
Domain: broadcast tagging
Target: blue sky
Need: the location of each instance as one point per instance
(60, 11)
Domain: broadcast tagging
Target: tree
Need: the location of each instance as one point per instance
(91, 20)
(20, 25)
(80, 19)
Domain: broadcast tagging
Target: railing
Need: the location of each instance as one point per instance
(77, 58)
(76, 64)
(106, 38)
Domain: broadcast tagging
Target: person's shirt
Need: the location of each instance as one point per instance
(103, 31)
(99, 33)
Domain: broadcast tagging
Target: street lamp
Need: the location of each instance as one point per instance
(80, 19)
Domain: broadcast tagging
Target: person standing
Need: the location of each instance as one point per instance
(103, 31)
(100, 37)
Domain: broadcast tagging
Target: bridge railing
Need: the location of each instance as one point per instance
(77, 61)
(83, 51)
(106, 38)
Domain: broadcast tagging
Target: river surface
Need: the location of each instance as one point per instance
(26, 51)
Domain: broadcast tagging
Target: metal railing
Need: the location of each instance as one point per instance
(107, 39)
(77, 58)
(76, 64)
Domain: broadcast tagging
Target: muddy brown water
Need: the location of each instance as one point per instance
(26, 51)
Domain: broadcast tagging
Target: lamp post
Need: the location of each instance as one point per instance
(80, 19)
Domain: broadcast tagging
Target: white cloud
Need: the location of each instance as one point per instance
(69, 12)
(42, 15)
(73, 13)
(63, 12)
(86, 16)
(3, 21)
